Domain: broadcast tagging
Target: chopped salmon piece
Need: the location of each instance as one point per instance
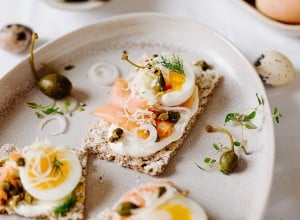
(115, 115)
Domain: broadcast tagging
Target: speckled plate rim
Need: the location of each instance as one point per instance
(75, 6)
(285, 29)
(52, 46)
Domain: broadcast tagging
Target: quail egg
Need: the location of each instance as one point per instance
(15, 37)
(274, 68)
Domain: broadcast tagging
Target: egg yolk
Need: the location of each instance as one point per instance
(177, 212)
(175, 81)
(48, 170)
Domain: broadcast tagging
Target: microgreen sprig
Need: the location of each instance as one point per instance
(46, 109)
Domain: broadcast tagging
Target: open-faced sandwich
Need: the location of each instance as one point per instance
(42, 181)
(159, 200)
(151, 112)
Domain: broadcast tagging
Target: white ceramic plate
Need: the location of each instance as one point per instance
(242, 195)
(75, 6)
(286, 29)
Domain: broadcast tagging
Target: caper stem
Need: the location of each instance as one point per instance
(125, 57)
(210, 128)
(31, 58)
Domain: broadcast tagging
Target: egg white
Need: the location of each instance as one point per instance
(37, 208)
(158, 213)
(62, 189)
(174, 98)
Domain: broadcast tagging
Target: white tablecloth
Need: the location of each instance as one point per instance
(248, 34)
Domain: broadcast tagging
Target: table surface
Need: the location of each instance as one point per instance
(247, 33)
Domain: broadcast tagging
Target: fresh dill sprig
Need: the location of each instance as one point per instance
(174, 64)
(56, 165)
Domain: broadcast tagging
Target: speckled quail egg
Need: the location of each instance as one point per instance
(274, 68)
(15, 37)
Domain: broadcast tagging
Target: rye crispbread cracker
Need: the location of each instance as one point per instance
(96, 140)
(77, 212)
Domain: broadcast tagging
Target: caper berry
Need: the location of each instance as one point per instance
(228, 161)
(124, 208)
(55, 85)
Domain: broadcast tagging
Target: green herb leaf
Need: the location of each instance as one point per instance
(66, 206)
(80, 109)
(213, 161)
(229, 117)
(250, 116)
(258, 99)
(207, 160)
(250, 125)
(50, 111)
(236, 143)
(276, 115)
(216, 147)
(175, 64)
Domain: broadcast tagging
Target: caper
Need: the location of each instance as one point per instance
(54, 85)
(161, 190)
(124, 208)
(13, 190)
(117, 135)
(2, 162)
(173, 116)
(159, 83)
(204, 66)
(21, 161)
(228, 161)
(170, 116)
(5, 185)
(163, 116)
(28, 198)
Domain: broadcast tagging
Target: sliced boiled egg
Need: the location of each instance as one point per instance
(177, 208)
(51, 172)
(182, 208)
(180, 85)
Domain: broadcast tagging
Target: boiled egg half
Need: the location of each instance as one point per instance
(51, 172)
(177, 208)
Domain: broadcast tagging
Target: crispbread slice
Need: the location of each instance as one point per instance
(76, 213)
(96, 140)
